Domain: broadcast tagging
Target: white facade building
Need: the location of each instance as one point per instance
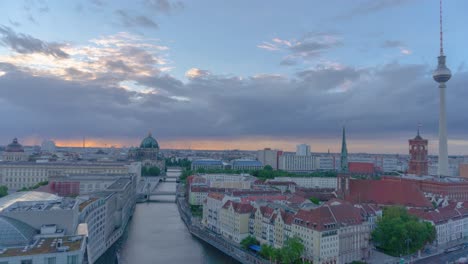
(269, 157)
(325, 163)
(16, 175)
(303, 150)
(295, 163)
(311, 182)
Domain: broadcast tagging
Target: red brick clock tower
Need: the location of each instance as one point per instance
(418, 152)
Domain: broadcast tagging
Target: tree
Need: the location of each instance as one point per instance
(268, 168)
(398, 232)
(267, 252)
(150, 171)
(3, 191)
(248, 241)
(292, 250)
(315, 200)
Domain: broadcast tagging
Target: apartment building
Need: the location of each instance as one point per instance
(234, 220)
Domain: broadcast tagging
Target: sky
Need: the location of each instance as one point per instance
(238, 74)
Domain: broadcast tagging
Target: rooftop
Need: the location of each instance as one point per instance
(212, 162)
(15, 233)
(119, 184)
(386, 192)
(34, 206)
(31, 196)
(246, 162)
(86, 203)
(46, 246)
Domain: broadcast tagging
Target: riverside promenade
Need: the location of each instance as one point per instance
(216, 240)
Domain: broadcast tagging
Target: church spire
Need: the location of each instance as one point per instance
(344, 153)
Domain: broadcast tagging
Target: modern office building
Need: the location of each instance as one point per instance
(269, 157)
(295, 163)
(303, 150)
(246, 165)
(207, 164)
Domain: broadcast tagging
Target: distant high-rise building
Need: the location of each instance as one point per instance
(303, 150)
(441, 75)
(418, 163)
(344, 153)
(269, 157)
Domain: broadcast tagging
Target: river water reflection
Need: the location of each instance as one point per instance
(156, 234)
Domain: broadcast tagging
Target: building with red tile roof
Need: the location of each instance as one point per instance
(361, 168)
(383, 192)
(450, 221)
(234, 220)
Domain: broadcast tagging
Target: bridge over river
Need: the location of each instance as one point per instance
(159, 188)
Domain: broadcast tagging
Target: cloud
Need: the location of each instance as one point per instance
(98, 3)
(390, 44)
(107, 61)
(310, 45)
(196, 73)
(129, 20)
(14, 23)
(26, 44)
(371, 6)
(376, 103)
(164, 6)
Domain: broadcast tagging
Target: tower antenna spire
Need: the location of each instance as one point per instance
(441, 32)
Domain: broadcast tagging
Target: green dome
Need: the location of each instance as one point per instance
(149, 142)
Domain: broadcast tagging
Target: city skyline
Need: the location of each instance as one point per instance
(157, 66)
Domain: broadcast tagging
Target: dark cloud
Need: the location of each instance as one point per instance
(164, 6)
(374, 103)
(329, 78)
(118, 65)
(26, 44)
(130, 20)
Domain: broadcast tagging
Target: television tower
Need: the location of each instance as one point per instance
(441, 75)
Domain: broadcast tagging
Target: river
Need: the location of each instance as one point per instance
(156, 234)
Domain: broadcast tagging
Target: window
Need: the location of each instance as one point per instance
(72, 259)
(26, 261)
(50, 260)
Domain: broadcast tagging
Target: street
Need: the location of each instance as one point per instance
(444, 258)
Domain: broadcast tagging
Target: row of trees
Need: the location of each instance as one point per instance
(266, 173)
(150, 171)
(37, 185)
(291, 252)
(399, 233)
(184, 163)
(3, 191)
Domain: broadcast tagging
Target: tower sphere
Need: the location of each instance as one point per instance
(442, 74)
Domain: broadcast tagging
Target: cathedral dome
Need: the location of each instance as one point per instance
(14, 146)
(149, 142)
